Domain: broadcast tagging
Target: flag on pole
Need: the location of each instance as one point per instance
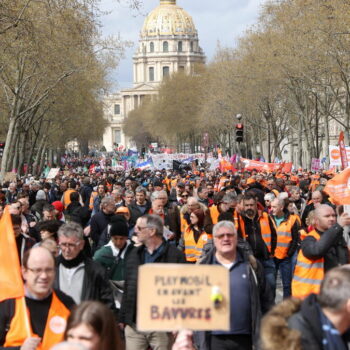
(10, 270)
(342, 149)
(338, 188)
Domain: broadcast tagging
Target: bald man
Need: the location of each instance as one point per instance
(321, 250)
(47, 309)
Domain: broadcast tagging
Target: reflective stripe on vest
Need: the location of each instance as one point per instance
(193, 250)
(284, 237)
(264, 229)
(54, 328)
(308, 274)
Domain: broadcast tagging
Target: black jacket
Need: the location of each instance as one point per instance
(331, 246)
(135, 259)
(98, 223)
(260, 293)
(95, 284)
(135, 212)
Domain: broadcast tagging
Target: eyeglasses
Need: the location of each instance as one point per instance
(39, 271)
(69, 245)
(222, 235)
(141, 228)
(184, 196)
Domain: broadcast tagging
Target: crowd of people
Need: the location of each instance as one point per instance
(81, 238)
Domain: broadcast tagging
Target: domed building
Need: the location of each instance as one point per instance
(168, 43)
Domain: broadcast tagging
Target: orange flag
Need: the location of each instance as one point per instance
(11, 283)
(338, 188)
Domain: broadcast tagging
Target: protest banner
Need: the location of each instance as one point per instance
(334, 155)
(172, 297)
(53, 173)
(10, 177)
(342, 149)
(338, 188)
(315, 164)
(250, 164)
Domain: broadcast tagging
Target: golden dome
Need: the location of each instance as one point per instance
(168, 19)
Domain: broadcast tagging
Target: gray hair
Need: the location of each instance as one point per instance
(295, 189)
(71, 229)
(129, 192)
(269, 197)
(225, 223)
(154, 221)
(68, 346)
(155, 194)
(106, 201)
(141, 189)
(229, 198)
(335, 288)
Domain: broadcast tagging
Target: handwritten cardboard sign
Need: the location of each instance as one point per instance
(172, 297)
(10, 176)
(53, 173)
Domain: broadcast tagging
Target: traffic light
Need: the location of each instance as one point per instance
(239, 132)
(2, 146)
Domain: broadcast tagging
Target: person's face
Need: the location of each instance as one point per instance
(63, 186)
(316, 197)
(17, 230)
(192, 205)
(210, 189)
(109, 208)
(326, 218)
(267, 203)
(128, 184)
(25, 204)
(203, 194)
(163, 198)
(48, 215)
(39, 273)
(180, 190)
(142, 231)
(15, 208)
(25, 187)
(184, 197)
(276, 208)
(158, 206)
(194, 219)
(12, 187)
(270, 184)
(128, 199)
(225, 240)
(250, 207)
(140, 197)
(85, 335)
(119, 241)
(45, 234)
(295, 195)
(70, 246)
(100, 190)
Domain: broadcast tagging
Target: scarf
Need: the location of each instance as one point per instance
(71, 263)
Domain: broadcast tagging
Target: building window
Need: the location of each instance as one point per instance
(165, 46)
(117, 136)
(179, 46)
(191, 46)
(181, 68)
(151, 46)
(151, 73)
(116, 109)
(165, 71)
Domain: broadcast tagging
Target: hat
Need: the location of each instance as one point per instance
(118, 227)
(58, 206)
(40, 195)
(123, 210)
(157, 183)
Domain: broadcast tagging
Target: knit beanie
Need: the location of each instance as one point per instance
(118, 226)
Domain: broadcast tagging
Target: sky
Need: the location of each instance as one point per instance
(216, 21)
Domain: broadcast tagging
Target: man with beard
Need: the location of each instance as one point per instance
(257, 228)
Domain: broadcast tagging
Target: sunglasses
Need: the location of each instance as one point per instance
(184, 196)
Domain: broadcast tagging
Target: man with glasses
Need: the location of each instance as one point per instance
(48, 309)
(78, 276)
(249, 293)
(153, 249)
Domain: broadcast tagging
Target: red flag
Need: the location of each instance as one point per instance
(343, 155)
(11, 283)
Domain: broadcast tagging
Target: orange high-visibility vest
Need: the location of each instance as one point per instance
(54, 329)
(214, 214)
(308, 274)
(264, 229)
(66, 197)
(284, 236)
(183, 223)
(92, 198)
(193, 250)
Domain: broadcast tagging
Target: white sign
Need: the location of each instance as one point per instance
(53, 173)
(334, 155)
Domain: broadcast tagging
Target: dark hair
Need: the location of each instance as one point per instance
(48, 207)
(100, 319)
(74, 197)
(16, 219)
(72, 184)
(200, 215)
(47, 186)
(249, 196)
(23, 194)
(51, 226)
